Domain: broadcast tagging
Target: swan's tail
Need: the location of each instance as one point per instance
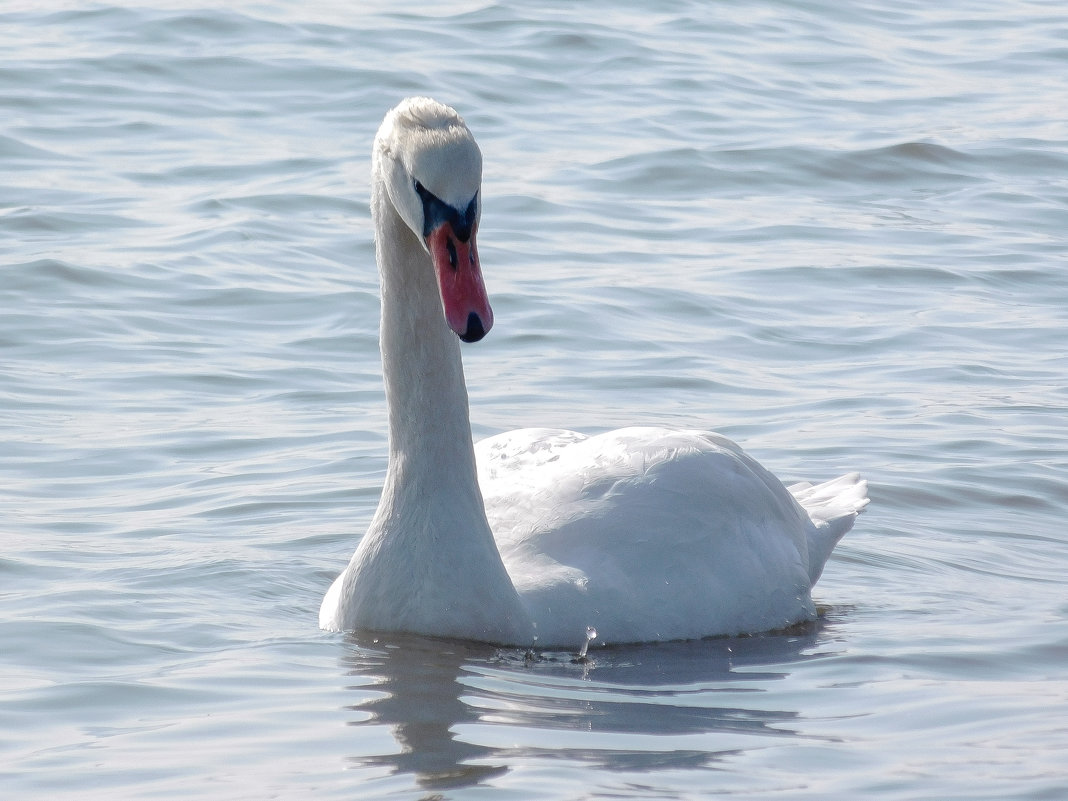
(832, 507)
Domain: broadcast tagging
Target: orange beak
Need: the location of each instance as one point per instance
(463, 292)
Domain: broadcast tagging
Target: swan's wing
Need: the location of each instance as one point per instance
(507, 457)
(650, 482)
(649, 534)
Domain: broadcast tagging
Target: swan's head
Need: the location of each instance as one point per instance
(431, 168)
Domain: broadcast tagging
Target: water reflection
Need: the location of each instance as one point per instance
(412, 685)
(460, 713)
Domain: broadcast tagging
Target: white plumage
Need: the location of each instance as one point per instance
(642, 533)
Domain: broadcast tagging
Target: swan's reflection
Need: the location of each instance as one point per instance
(460, 713)
(415, 690)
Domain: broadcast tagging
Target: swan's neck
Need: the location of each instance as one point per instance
(429, 424)
(428, 563)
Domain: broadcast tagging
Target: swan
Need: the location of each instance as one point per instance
(544, 535)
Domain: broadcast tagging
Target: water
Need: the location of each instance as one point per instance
(835, 234)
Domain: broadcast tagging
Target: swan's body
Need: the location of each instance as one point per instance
(643, 533)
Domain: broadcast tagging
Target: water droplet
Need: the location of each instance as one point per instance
(591, 634)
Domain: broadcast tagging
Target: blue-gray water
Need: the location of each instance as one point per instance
(835, 232)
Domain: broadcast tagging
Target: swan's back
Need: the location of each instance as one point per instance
(655, 534)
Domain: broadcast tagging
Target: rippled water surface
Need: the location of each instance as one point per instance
(835, 233)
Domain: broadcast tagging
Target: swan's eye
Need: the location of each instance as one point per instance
(472, 211)
(436, 212)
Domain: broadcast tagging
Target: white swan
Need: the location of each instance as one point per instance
(642, 534)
